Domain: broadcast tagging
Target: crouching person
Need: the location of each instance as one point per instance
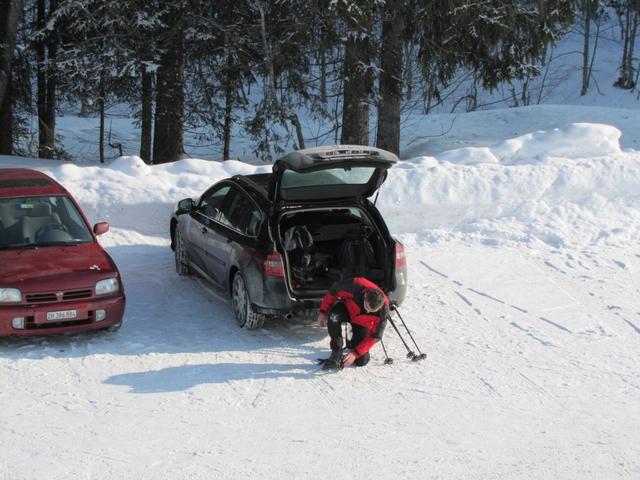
(365, 306)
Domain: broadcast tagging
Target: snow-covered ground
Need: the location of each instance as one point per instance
(524, 267)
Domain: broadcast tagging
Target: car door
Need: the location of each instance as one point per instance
(201, 221)
(237, 223)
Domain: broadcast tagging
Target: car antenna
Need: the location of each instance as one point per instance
(376, 199)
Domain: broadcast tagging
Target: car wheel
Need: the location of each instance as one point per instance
(182, 265)
(245, 314)
(114, 328)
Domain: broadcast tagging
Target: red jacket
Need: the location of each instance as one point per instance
(351, 293)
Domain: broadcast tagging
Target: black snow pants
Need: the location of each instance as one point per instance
(337, 315)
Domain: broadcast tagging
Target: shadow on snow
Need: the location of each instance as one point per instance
(166, 313)
(173, 379)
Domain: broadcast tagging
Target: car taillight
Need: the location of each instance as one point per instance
(273, 266)
(401, 260)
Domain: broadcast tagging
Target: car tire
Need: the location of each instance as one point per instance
(182, 265)
(245, 314)
(114, 328)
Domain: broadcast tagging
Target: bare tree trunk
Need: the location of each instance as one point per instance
(586, 11)
(410, 59)
(323, 74)
(632, 44)
(358, 78)
(268, 52)
(6, 120)
(101, 132)
(295, 121)
(146, 115)
(41, 84)
(101, 112)
(593, 53)
(228, 108)
(630, 26)
(388, 132)
(9, 17)
(46, 86)
(168, 142)
(51, 87)
(323, 7)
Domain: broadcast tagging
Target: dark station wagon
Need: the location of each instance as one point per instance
(275, 242)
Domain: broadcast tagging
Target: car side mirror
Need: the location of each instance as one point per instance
(185, 206)
(100, 228)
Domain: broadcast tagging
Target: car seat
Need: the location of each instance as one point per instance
(36, 218)
(357, 257)
(299, 244)
(6, 220)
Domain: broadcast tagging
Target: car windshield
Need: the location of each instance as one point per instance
(331, 176)
(41, 222)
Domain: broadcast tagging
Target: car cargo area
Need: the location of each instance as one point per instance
(322, 246)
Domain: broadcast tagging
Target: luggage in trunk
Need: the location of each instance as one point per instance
(324, 246)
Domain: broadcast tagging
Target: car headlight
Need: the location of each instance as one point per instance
(109, 285)
(10, 295)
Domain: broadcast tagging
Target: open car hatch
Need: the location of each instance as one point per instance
(327, 173)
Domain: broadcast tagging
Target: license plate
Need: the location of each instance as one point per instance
(62, 315)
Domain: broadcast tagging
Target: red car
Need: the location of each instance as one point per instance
(54, 276)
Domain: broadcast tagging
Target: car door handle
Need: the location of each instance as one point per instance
(229, 240)
(204, 230)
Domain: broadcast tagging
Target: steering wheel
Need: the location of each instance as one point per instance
(47, 228)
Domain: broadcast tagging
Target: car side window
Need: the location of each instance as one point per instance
(211, 201)
(240, 213)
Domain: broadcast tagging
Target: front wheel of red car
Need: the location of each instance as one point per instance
(182, 265)
(114, 328)
(245, 314)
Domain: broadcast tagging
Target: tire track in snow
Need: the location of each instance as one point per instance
(629, 322)
(501, 302)
(434, 270)
(489, 387)
(326, 390)
(466, 300)
(529, 334)
(557, 325)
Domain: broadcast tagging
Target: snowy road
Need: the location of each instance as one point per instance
(525, 379)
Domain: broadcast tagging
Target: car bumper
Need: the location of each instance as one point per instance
(398, 295)
(274, 299)
(35, 317)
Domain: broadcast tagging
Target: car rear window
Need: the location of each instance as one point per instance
(332, 176)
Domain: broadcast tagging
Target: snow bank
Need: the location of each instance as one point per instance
(570, 185)
(579, 140)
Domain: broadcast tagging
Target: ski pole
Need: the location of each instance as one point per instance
(420, 355)
(410, 354)
(387, 360)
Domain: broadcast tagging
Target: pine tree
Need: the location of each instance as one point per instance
(499, 41)
(390, 90)
(628, 12)
(357, 21)
(46, 47)
(168, 143)
(9, 17)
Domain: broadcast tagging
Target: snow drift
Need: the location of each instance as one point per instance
(572, 185)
